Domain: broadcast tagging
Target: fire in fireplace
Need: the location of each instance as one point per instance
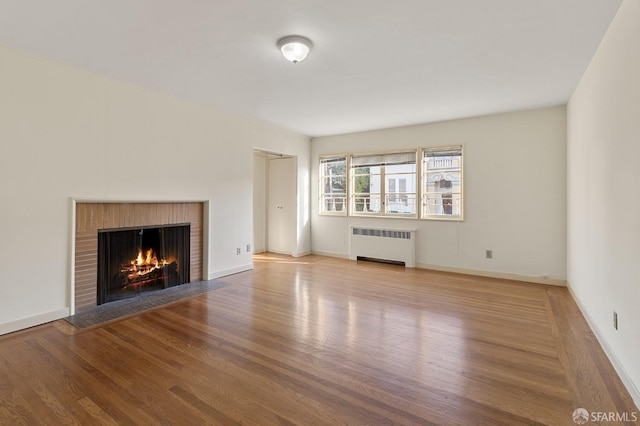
(136, 260)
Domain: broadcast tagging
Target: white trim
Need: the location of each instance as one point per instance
(301, 254)
(499, 275)
(338, 214)
(72, 258)
(444, 218)
(10, 327)
(286, 253)
(206, 220)
(488, 274)
(330, 254)
(232, 271)
(617, 365)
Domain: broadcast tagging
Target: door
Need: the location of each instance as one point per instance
(281, 212)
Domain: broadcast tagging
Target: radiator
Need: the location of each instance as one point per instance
(395, 245)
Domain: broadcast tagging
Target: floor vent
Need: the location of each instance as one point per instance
(385, 261)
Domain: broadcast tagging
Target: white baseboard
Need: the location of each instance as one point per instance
(622, 373)
(330, 254)
(10, 327)
(225, 272)
(491, 274)
(488, 274)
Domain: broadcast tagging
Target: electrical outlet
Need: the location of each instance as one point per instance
(488, 254)
(248, 248)
(615, 320)
(238, 250)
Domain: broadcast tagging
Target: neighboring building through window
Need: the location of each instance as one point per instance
(384, 184)
(333, 185)
(442, 183)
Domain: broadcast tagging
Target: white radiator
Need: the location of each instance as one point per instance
(396, 245)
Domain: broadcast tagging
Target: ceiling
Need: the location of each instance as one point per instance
(375, 63)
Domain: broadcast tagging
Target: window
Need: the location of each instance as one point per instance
(442, 183)
(384, 184)
(333, 185)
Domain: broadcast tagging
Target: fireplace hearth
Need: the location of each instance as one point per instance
(132, 261)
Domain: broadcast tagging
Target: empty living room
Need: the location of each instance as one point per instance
(329, 212)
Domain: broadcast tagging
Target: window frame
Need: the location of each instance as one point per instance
(323, 159)
(384, 193)
(421, 181)
(425, 171)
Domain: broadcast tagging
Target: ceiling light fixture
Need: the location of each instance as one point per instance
(295, 48)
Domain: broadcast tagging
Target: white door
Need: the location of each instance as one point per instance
(281, 214)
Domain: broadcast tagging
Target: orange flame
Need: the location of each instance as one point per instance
(145, 263)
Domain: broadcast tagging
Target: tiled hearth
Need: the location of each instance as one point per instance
(123, 308)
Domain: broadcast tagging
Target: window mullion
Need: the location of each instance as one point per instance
(350, 187)
(419, 183)
(383, 189)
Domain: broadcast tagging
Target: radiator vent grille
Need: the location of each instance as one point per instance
(404, 235)
(391, 245)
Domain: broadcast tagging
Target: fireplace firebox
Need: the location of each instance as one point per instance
(132, 261)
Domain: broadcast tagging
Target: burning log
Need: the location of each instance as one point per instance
(145, 269)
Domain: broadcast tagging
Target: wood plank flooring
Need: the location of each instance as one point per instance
(323, 341)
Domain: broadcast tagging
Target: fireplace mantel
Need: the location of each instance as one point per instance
(90, 216)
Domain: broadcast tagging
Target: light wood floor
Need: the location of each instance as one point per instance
(316, 340)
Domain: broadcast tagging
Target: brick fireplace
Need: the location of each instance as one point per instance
(93, 217)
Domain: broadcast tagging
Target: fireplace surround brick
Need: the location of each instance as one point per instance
(90, 217)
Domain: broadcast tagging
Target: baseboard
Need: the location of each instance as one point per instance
(499, 275)
(622, 373)
(21, 324)
(225, 272)
(488, 274)
(302, 254)
(330, 254)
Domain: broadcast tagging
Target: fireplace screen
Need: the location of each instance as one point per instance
(132, 261)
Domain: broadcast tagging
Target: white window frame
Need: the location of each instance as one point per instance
(323, 194)
(448, 171)
(383, 160)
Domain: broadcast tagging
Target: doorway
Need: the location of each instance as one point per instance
(274, 197)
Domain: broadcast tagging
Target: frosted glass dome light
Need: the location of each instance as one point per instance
(294, 48)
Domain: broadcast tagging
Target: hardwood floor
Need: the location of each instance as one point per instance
(316, 340)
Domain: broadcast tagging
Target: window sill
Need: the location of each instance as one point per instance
(444, 218)
(384, 216)
(339, 214)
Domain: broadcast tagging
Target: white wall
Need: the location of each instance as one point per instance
(66, 133)
(603, 195)
(514, 189)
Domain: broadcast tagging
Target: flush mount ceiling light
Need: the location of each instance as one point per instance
(294, 48)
